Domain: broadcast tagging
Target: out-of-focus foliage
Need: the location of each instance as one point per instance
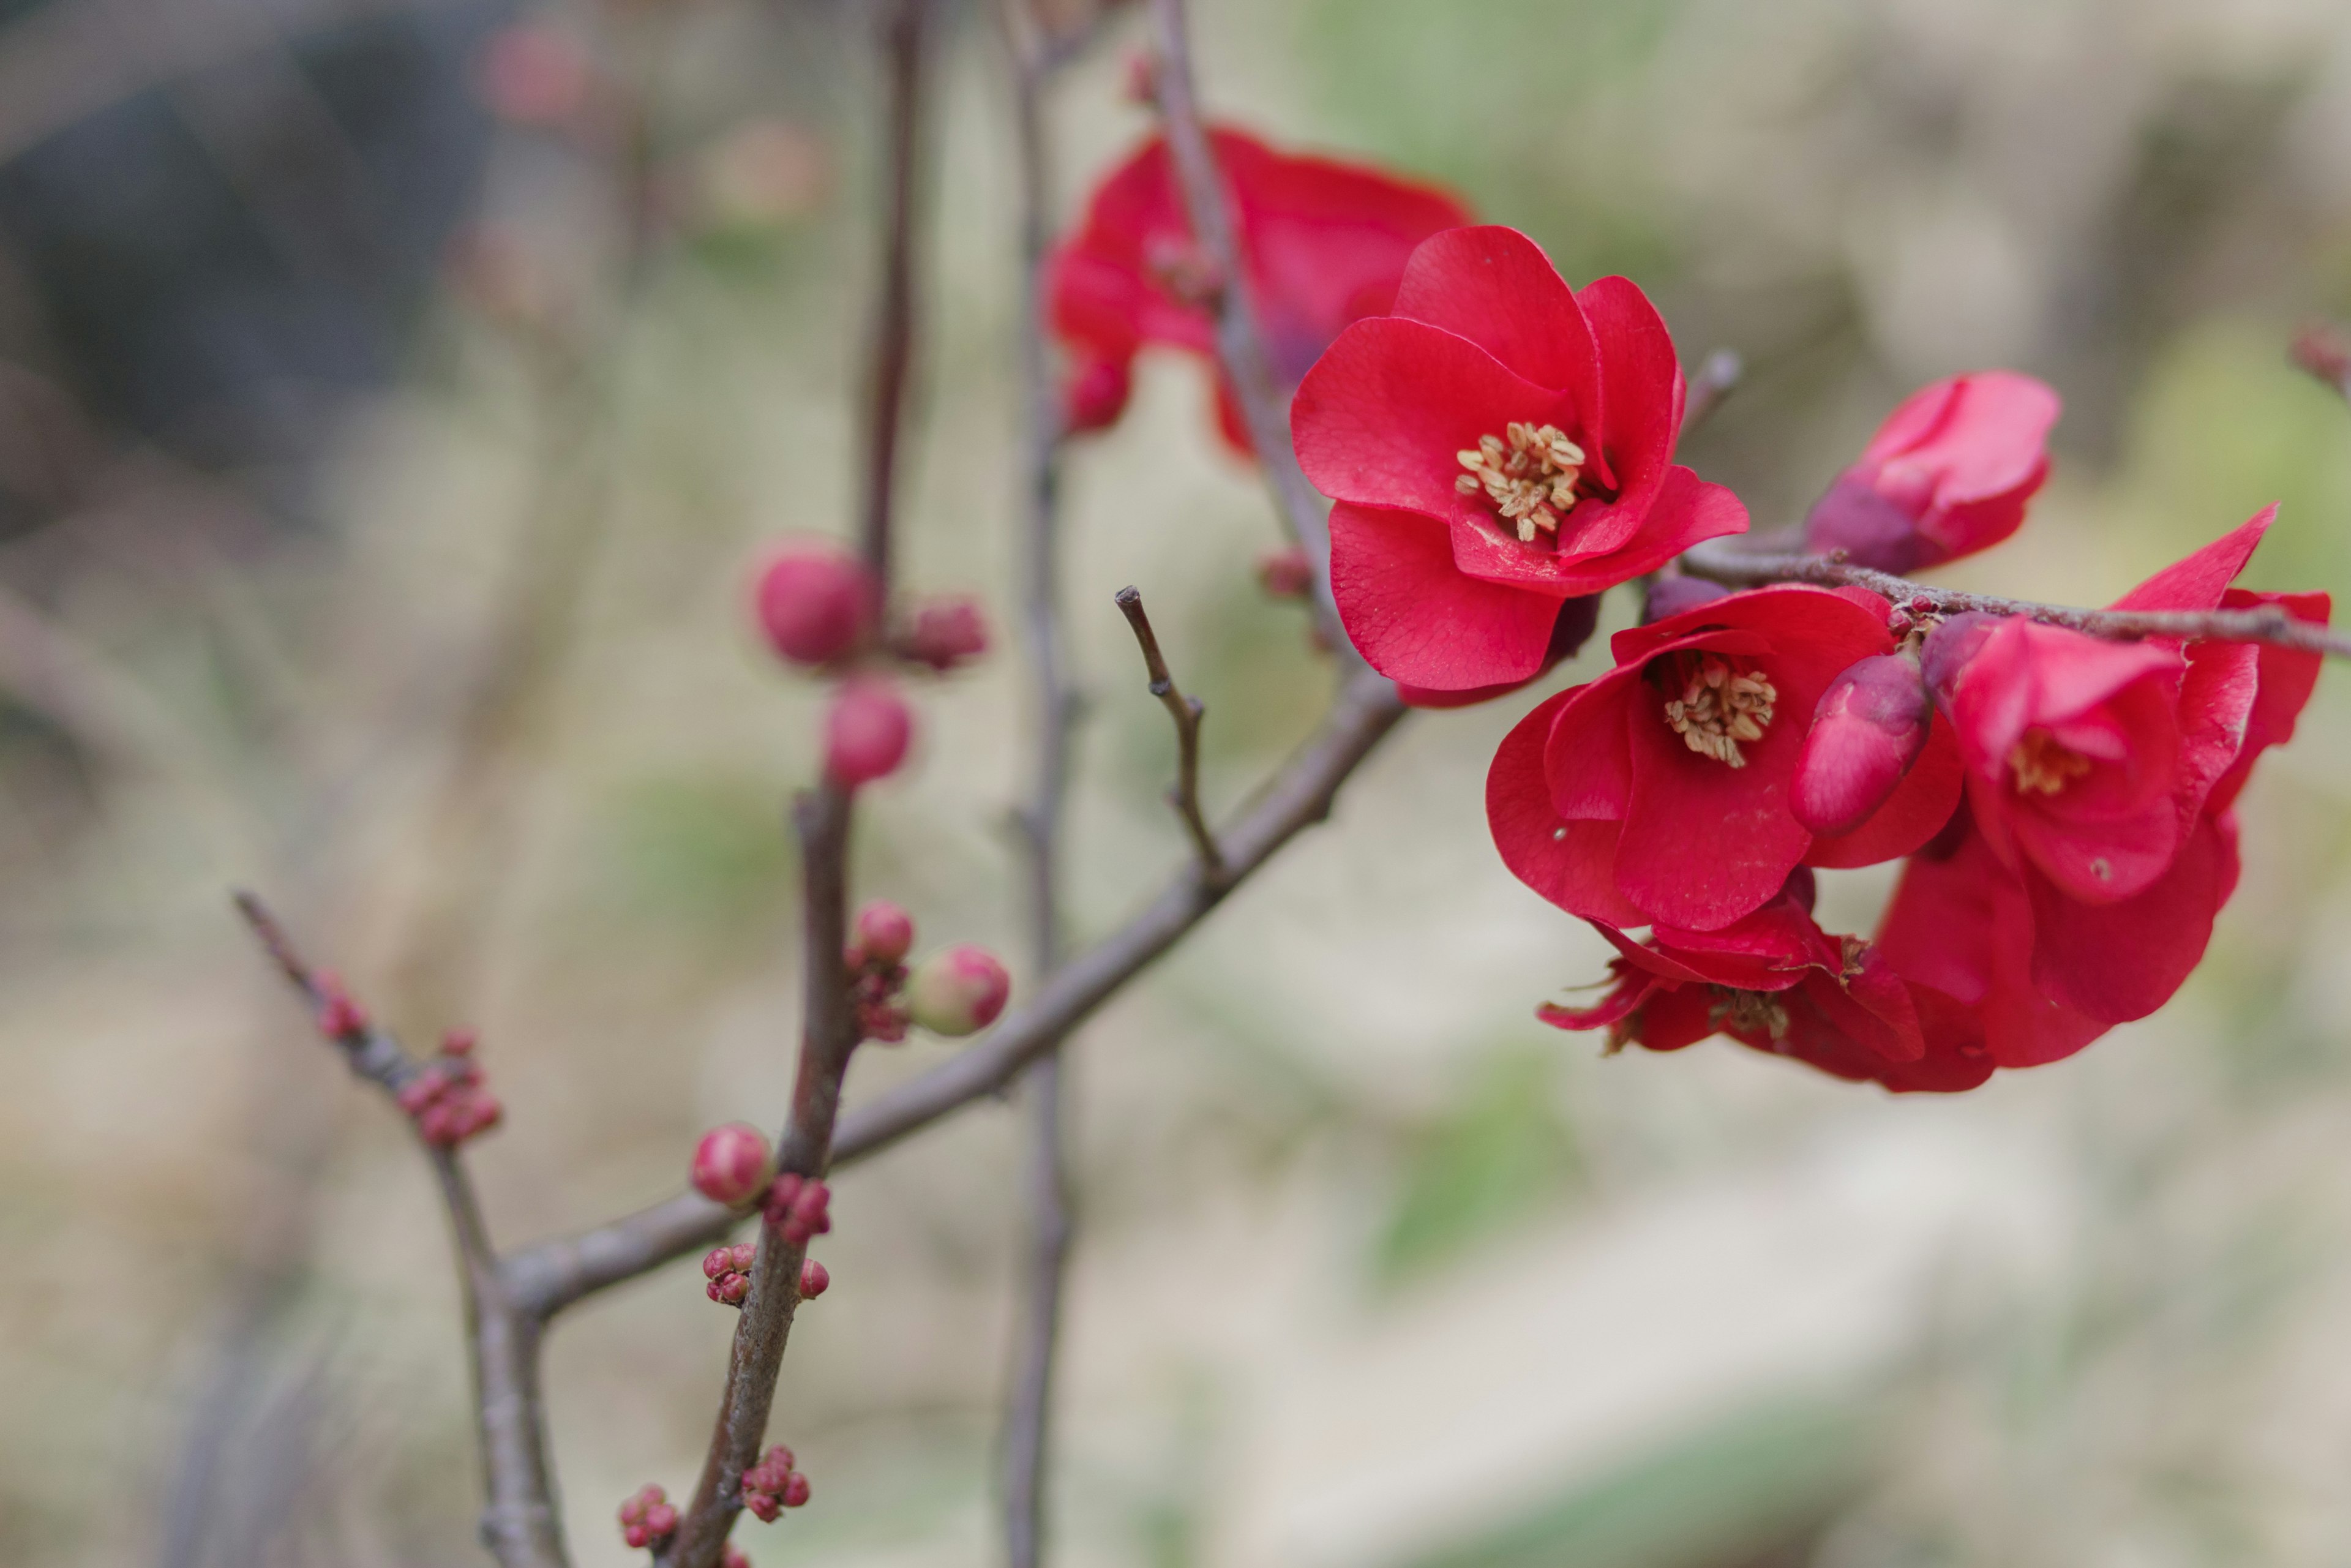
(1374, 1270)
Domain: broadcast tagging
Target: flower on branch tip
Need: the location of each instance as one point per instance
(731, 1164)
(958, 990)
(866, 731)
(2078, 885)
(1947, 473)
(1500, 448)
(798, 1208)
(647, 1518)
(816, 602)
(1324, 243)
(1659, 792)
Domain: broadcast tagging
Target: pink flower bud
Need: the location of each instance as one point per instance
(866, 732)
(883, 931)
(660, 1519)
(717, 1261)
(637, 1535)
(730, 1164)
(781, 1457)
(946, 633)
(796, 1491)
(732, 1557)
(339, 1016)
(958, 990)
(459, 1042)
(780, 1194)
(1094, 396)
(815, 603)
(532, 74)
(764, 1505)
(742, 1253)
(815, 1280)
(1286, 573)
(1869, 727)
(733, 1288)
(1672, 595)
(1949, 646)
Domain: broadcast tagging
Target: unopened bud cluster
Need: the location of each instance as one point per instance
(340, 1017)
(798, 1208)
(821, 610)
(772, 1485)
(447, 1099)
(879, 939)
(648, 1518)
(728, 1270)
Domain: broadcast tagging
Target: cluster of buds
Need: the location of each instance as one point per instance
(798, 1208)
(772, 1485)
(821, 610)
(447, 1099)
(648, 1518)
(340, 1017)
(729, 1270)
(875, 957)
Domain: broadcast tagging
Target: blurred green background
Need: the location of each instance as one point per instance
(378, 482)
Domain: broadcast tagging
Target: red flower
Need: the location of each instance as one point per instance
(1659, 792)
(2079, 888)
(1775, 981)
(1947, 474)
(1500, 444)
(1325, 243)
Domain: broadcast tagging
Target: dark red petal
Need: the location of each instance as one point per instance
(1585, 764)
(1380, 418)
(1672, 1020)
(1416, 619)
(2198, 581)
(2287, 678)
(1495, 287)
(1569, 633)
(1569, 863)
(2118, 961)
(1627, 994)
(1683, 510)
(1640, 391)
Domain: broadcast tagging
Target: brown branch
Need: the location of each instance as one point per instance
(519, 1523)
(1186, 712)
(1718, 560)
(823, 817)
(1027, 1416)
(1240, 344)
(555, 1274)
(1716, 380)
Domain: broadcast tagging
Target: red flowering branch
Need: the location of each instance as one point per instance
(519, 1523)
(1187, 712)
(1721, 560)
(1240, 347)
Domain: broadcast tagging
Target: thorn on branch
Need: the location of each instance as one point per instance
(1188, 713)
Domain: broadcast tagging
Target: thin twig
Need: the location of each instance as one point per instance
(822, 818)
(519, 1523)
(1716, 379)
(1240, 345)
(1186, 712)
(1027, 1416)
(552, 1275)
(1719, 561)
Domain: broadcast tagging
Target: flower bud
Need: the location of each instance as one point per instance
(946, 633)
(1949, 646)
(731, 1556)
(866, 733)
(796, 1491)
(459, 1041)
(1094, 396)
(815, 1280)
(1869, 727)
(730, 1289)
(1285, 573)
(764, 1505)
(532, 74)
(1672, 595)
(815, 603)
(883, 931)
(958, 990)
(730, 1164)
(717, 1261)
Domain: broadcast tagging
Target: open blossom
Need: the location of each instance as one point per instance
(1775, 981)
(1324, 242)
(1947, 474)
(1659, 792)
(1499, 445)
(2078, 887)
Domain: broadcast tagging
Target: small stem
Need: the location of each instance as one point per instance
(1716, 379)
(1186, 712)
(1719, 561)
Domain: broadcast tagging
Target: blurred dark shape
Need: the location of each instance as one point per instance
(220, 251)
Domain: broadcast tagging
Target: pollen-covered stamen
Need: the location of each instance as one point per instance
(1529, 475)
(1747, 1012)
(1721, 707)
(2043, 766)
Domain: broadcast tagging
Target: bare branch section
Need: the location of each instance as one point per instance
(554, 1274)
(519, 1523)
(1716, 379)
(1186, 712)
(1241, 346)
(1718, 562)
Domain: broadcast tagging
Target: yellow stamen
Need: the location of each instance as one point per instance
(1530, 478)
(1720, 707)
(2044, 766)
(1751, 1012)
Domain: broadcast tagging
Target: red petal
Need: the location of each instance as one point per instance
(2287, 678)
(2198, 581)
(1627, 994)
(2118, 961)
(1416, 619)
(1380, 417)
(1916, 810)
(1570, 864)
(1495, 287)
(1588, 771)
(1683, 510)
(1640, 394)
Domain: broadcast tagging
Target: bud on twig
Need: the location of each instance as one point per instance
(958, 991)
(1870, 726)
(816, 603)
(730, 1164)
(866, 732)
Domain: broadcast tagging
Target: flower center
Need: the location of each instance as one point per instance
(1720, 707)
(1747, 1012)
(2042, 765)
(1529, 477)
